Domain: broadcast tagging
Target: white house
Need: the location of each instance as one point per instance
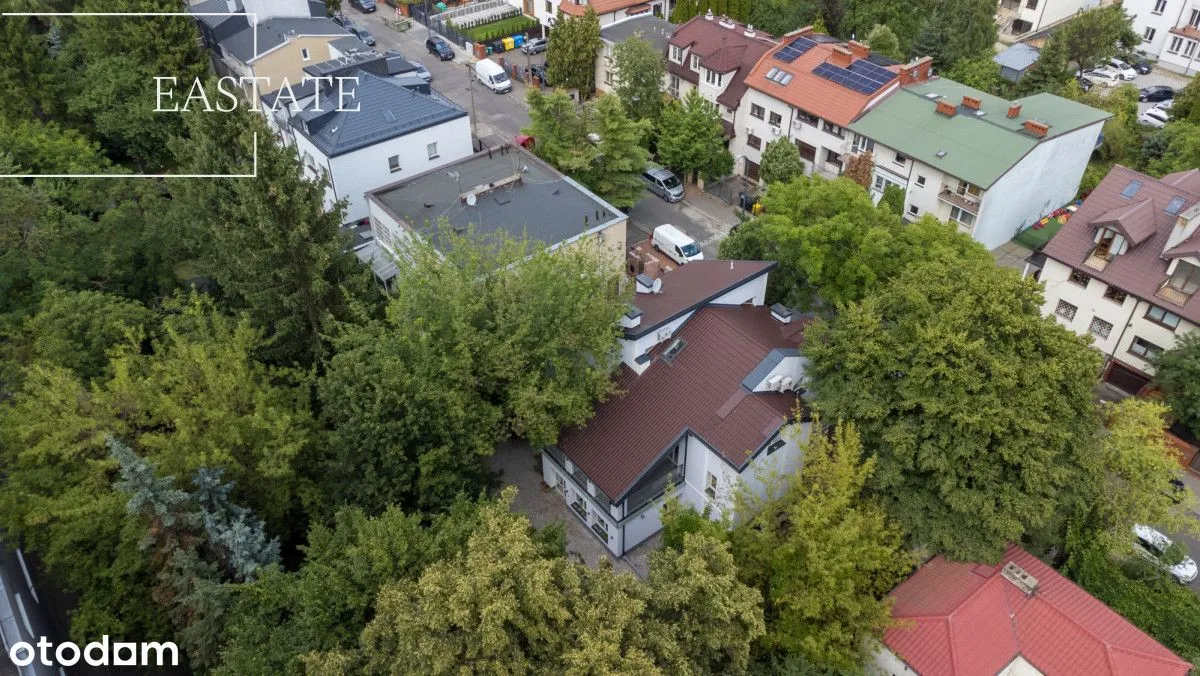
(1019, 19)
(607, 11)
(653, 29)
(711, 381)
(1170, 31)
(384, 131)
(1125, 269)
(990, 165)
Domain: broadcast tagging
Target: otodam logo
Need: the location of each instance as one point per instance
(96, 653)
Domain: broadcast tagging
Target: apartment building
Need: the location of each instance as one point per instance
(1019, 20)
(1170, 31)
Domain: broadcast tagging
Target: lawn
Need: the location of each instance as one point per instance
(1036, 236)
(498, 29)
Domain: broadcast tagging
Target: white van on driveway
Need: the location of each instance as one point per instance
(676, 244)
(493, 76)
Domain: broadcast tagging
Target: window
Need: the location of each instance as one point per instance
(833, 129)
(754, 142)
(912, 209)
(394, 163)
(757, 111)
(608, 77)
(710, 485)
(713, 78)
(1175, 205)
(774, 119)
(920, 181)
(962, 216)
(863, 144)
(677, 54)
(677, 454)
(1186, 278)
(1115, 295)
(834, 158)
(1160, 6)
(308, 161)
(1109, 243)
(1145, 349)
(1100, 328)
(1195, 19)
(900, 159)
(779, 76)
(432, 150)
(549, 7)
(811, 120)
(1079, 278)
(967, 189)
(601, 529)
(1065, 310)
(1148, 34)
(807, 152)
(1162, 317)
(673, 86)
(1190, 49)
(1031, 4)
(560, 484)
(304, 54)
(695, 63)
(1176, 43)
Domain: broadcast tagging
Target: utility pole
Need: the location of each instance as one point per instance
(471, 91)
(428, 27)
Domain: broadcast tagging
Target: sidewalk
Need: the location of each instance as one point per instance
(708, 209)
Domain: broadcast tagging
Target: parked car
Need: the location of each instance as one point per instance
(1156, 93)
(364, 6)
(363, 34)
(663, 183)
(342, 20)
(439, 48)
(1119, 68)
(1154, 117)
(422, 72)
(1157, 549)
(492, 75)
(676, 244)
(1165, 105)
(1142, 66)
(539, 71)
(1084, 83)
(535, 46)
(1102, 77)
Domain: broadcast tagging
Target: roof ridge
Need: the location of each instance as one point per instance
(1142, 653)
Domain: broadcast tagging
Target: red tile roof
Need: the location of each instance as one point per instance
(695, 390)
(1141, 270)
(811, 93)
(722, 47)
(569, 8)
(688, 286)
(966, 618)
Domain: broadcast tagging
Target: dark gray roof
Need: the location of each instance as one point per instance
(543, 204)
(208, 6)
(372, 62)
(397, 64)
(653, 29)
(349, 44)
(274, 32)
(1018, 57)
(386, 109)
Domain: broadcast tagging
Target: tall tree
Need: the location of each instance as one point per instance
(26, 67)
(1187, 103)
(571, 54)
(970, 30)
(902, 19)
(883, 40)
(930, 39)
(978, 408)
(691, 138)
(639, 70)
(1182, 152)
(1177, 372)
(780, 162)
(77, 330)
(1050, 73)
(980, 72)
(860, 168)
(1096, 34)
(780, 17)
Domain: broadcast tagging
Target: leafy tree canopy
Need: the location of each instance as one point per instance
(691, 138)
(980, 72)
(883, 40)
(77, 330)
(639, 70)
(1096, 34)
(571, 54)
(781, 162)
(1178, 374)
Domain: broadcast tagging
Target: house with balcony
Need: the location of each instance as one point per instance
(607, 11)
(809, 88)
(1125, 269)
(1170, 31)
(989, 165)
(714, 55)
(1020, 20)
(653, 29)
(711, 382)
(276, 49)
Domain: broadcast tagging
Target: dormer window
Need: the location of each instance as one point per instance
(695, 63)
(677, 54)
(713, 78)
(1109, 243)
(1185, 279)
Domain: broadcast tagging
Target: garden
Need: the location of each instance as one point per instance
(495, 30)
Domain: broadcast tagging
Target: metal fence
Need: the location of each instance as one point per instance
(736, 190)
(434, 21)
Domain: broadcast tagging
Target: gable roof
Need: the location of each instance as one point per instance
(967, 618)
(689, 286)
(976, 148)
(210, 7)
(1135, 220)
(386, 109)
(723, 47)
(1142, 269)
(274, 32)
(700, 389)
(570, 8)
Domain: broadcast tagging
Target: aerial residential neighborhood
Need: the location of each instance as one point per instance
(600, 336)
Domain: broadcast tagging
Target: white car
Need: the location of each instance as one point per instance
(1165, 105)
(1154, 117)
(1120, 69)
(1152, 544)
(1102, 76)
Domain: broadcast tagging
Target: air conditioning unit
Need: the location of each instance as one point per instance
(776, 131)
(786, 384)
(663, 335)
(773, 382)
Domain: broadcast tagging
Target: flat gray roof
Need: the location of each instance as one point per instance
(542, 203)
(655, 30)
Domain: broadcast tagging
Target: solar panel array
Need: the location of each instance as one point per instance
(794, 49)
(863, 77)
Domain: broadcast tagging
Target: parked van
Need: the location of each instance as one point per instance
(675, 244)
(493, 76)
(663, 183)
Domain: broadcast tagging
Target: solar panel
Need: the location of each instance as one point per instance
(794, 49)
(872, 71)
(847, 78)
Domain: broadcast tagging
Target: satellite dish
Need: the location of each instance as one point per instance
(656, 287)
(471, 199)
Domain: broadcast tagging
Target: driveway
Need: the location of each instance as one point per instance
(518, 465)
(701, 216)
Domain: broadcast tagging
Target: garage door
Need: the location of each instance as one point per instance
(1125, 379)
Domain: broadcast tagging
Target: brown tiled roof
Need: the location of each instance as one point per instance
(691, 285)
(721, 49)
(601, 6)
(1141, 270)
(1188, 247)
(1133, 219)
(812, 93)
(695, 390)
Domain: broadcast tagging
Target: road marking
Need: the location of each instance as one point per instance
(28, 580)
(24, 616)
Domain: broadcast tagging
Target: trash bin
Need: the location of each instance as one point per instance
(481, 50)
(498, 47)
(518, 39)
(508, 43)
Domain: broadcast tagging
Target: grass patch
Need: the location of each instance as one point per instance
(497, 30)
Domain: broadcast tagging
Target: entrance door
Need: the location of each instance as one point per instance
(751, 170)
(1125, 379)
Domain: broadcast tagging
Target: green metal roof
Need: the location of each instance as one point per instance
(974, 148)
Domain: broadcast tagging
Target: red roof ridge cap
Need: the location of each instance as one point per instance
(1178, 661)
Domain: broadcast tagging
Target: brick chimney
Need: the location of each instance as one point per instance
(859, 50)
(972, 102)
(917, 71)
(841, 57)
(1014, 109)
(1038, 129)
(946, 108)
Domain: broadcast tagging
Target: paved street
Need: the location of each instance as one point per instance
(1191, 542)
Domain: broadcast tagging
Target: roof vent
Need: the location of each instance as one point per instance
(749, 31)
(781, 314)
(1014, 110)
(1036, 128)
(941, 154)
(708, 16)
(726, 22)
(1017, 575)
(946, 108)
(933, 96)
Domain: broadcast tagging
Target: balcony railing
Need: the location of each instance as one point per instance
(580, 508)
(1173, 295)
(968, 202)
(1098, 260)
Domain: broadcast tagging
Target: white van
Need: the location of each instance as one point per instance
(678, 246)
(493, 76)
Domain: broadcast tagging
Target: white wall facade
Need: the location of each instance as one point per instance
(795, 125)
(353, 174)
(1153, 21)
(1180, 54)
(546, 11)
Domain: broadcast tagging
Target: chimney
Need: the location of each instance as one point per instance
(859, 50)
(946, 108)
(972, 102)
(841, 57)
(749, 31)
(917, 71)
(1019, 577)
(644, 283)
(1035, 128)
(781, 314)
(708, 16)
(1014, 109)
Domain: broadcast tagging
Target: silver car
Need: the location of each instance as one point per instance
(1151, 545)
(663, 183)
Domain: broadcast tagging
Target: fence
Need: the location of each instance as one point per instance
(467, 16)
(736, 190)
(434, 22)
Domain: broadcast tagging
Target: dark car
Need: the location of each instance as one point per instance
(363, 34)
(1142, 66)
(539, 71)
(364, 6)
(535, 46)
(439, 48)
(1084, 83)
(1156, 93)
(342, 20)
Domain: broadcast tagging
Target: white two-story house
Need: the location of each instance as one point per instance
(1125, 269)
(809, 89)
(1025, 19)
(990, 165)
(607, 11)
(1170, 31)
(711, 381)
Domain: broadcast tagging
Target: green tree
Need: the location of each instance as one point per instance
(902, 19)
(956, 30)
(116, 99)
(571, 54)
(860, 168)
(780, 162)
(1178, 374)
(980, 72)
(639, 69)
(893, 199)
(1182, 140)
(691, 138)
(978, 409)
(824, 556)
(77, 330)
(1187, 103)
(616, 172)
(1096, 34)
(930, 39)
(1050, 73)
(1122, 133)
(883, 40)
(27, 70)
(780, 17)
